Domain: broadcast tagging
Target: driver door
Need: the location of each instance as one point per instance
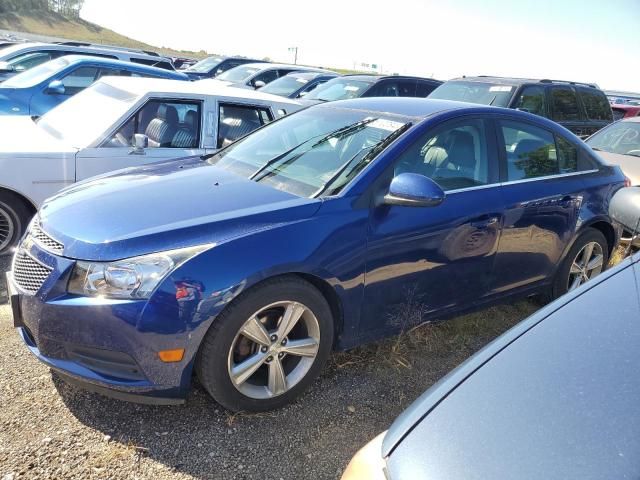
(173, 128)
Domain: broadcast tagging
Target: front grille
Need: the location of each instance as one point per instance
(43, 239)
(28, 273)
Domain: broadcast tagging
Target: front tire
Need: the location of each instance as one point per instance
(267, 346)
(587, 258)
(14, 218)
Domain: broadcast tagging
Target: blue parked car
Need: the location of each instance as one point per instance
(250, 265)
(297, 84)
(556, 397)
(37, 90)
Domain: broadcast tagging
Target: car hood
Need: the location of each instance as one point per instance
(165, 206)
(14, 101)
(629, 164)
(541, 401)
(20, 137)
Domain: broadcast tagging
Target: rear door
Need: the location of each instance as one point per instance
(174, 130)
(543, 189)
(567, 110)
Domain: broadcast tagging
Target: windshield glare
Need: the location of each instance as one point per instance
(619, 137)
(238, 74)
(474, 92)
(339, 89)
(35, 75)
(314, 152)
(206, 65)
(75, 121)
(284, 86)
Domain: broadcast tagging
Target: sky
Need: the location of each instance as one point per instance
(588, 41)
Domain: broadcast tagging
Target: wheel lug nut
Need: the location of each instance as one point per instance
(274, 338)
(269, 359)
(281, 354)
(283, 342)
(264, 349)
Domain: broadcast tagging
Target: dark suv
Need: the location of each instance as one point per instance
(581, 107)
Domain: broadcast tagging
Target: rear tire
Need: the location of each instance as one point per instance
(252, 332)
(575, 268)
(14, 218)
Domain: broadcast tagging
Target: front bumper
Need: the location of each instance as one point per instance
(103, 345)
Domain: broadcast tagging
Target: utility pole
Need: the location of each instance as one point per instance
(295, 55)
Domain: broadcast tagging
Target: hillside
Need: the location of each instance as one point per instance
(55, 25)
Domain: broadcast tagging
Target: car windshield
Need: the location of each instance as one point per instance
(36, 75)
(75, 121)
(314, 152)
(619, 137)
(238, 74)
(339, 89)
(206, 65)
(474, 92)
(285, 86)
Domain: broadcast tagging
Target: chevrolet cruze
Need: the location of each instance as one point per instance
(248, 266)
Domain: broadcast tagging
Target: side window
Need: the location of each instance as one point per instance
(564, 104)
(266, 77)
(113, 72)
(79, 79)
(424, 88)
(530, 151)
(596, 105)
(236, 121)
(572, 159)
(385, 88)
(29, 60)
(532, 100)
(173, 124)
(454, 156)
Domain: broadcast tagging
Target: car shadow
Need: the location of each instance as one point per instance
(5, 265)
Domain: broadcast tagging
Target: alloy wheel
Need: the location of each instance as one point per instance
(7, 226)
(274, 350)
(588, 263)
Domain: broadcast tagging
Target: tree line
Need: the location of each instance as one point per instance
(68, 8)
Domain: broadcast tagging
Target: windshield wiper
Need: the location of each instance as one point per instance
(323, 138)
(371, 150)
(597, 149)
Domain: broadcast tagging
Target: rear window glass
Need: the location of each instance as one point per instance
(596, 105)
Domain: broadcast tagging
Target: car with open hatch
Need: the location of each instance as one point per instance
(248, 266)
(39, 89)
(118, 122)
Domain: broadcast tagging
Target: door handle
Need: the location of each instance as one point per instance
(485, 223)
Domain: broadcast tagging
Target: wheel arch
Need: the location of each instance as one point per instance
(29, 203)
(604, 227)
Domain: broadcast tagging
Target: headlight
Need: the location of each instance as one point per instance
(135, 277)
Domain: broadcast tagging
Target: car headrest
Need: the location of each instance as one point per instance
(527, 145)
(191, 118)
(168, 113)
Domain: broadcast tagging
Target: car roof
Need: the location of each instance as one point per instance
(77, 59)
(142, 86)
(311, 75)
(631, 119)
(515, 81)
(367, 77)
(550, 392)
(35, 46)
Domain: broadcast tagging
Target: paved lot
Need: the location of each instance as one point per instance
(51, 430)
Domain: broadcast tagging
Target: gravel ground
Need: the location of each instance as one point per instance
(51, 430)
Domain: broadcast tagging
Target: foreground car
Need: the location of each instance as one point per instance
(116, 123)
(37, 90)
(619, 144)
(307, 235)
(555, 397)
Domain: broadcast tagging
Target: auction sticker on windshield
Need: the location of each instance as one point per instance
(388, 125)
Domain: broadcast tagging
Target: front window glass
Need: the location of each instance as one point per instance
(206, 65)
(314, 152)
(79, 79)
(75, 121)
(339, 89)
(37, 74)
(284, 86)
(29, 60)
(620, 137)
(531, 100)
(474, 92)
(238, 74)
(454, 157)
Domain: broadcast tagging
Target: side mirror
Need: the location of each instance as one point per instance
(6, 67)
(414, 190)
(55, 88)
(218, 72)
(258, 84)
(140, 142)
(302, 94)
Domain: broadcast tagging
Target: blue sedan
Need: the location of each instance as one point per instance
(313, 233)
(37, 90)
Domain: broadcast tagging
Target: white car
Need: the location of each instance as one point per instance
(119, 122)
